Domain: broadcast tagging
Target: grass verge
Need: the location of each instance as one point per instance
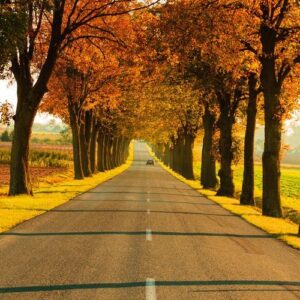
(15, 210)
(282, 229)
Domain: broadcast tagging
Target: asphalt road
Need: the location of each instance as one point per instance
(144, 235)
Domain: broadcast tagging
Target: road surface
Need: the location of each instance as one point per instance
(144, 235)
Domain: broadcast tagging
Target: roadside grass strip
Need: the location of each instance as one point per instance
(17, 209)
(283, 229)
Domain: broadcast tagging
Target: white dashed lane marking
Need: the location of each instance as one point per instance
(148, 235)
(150, 289)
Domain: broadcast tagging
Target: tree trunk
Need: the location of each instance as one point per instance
(167, 154)
(225, 123)
(85, 143)
(29, 98)
(176, 158)
(187, 157)
(78, 173)
(273, 125)
(271, 157)
(247, 195)
(107, 145)
(94, 137)
(172, 154)
(208, 161)
(19, 168)
(121, 151)
(100, 153)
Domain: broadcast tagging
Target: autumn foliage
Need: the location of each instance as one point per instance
(163, 73)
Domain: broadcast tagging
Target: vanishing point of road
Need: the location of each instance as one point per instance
(144, 235)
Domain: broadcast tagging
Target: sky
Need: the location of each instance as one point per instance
(9, 92)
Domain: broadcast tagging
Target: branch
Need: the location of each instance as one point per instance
(281, 15)
(241, 5)
(35, 32)
(286, 68)
(248, 47)
(284, 33)
(98, 12)
(88, 37)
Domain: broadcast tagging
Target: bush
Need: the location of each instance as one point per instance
(5, 136)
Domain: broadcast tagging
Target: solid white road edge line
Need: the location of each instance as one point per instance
(150, 289)
(148, 235)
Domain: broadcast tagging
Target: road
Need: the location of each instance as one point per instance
(144, 235)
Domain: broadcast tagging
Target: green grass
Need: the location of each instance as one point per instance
(14, 210)
(283, 229)
(290, 184)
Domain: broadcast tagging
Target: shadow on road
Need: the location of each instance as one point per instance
(118, 285)
(158, 233)
(144, 201)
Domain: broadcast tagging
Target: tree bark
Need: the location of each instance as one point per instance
(187, 157)
(247, 195)
(108, 145)
(85, 143)
(29, 98)
(94, 137)
(208, 161)
(19, 168)
(225, 123)
(114, 152)
(74, 123)
(273, 124)
(100, 153)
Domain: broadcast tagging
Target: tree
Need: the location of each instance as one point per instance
(247, 195)
(51, 27)
(269, 30)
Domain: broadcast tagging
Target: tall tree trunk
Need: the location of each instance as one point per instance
(19, 168)
(208, 161)
(176, 160)
(100, 153)
(273, 125)
(105, 155)
(167, 154)
(187, 157)
(74, 123)
(29, 98)
(94, 137)
(108, 145)
(114, 152)
(85, 143)
(247, 195)
(121, 151)
(171, 165)
(271, 156)
(225, 123)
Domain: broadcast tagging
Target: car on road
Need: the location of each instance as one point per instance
(150, 162)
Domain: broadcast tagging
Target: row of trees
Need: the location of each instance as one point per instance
(242, 57)
(117, 70)
(35, 36)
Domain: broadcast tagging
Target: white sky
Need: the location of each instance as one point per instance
(9, 92)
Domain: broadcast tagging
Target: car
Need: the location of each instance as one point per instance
(150, 162)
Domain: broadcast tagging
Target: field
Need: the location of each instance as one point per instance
(290, 183)
(44, 137)
(45, 161)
